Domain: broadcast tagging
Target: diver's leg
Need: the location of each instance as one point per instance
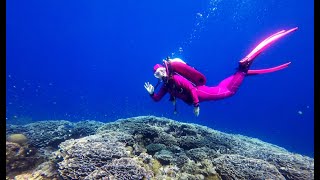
(233, 82)
(224, 89)
(230, 85)
(206, 93)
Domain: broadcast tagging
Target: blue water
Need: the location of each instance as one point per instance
(78, 60)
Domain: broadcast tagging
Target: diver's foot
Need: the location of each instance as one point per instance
(244, 64)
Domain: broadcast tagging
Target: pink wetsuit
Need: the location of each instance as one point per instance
(179, 87)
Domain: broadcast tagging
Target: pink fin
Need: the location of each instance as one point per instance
(268, 70)
(266, 43)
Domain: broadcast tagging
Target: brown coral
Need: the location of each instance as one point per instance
(17, 138)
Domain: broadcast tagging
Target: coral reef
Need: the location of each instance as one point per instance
(52, 133)
(190, 145)
(44, 133)
(164, 156)
(44, 171)
(85, 128)
(239, 167)
(97, 156)
(149, 147)
(20, 158)
(17, 138)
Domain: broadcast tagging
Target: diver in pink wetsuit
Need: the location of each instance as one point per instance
(187, 84)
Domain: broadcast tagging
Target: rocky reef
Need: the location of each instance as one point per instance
(149, 147)
(51, 133)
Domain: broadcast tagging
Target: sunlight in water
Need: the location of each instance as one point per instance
(239, 11)
(200, 24)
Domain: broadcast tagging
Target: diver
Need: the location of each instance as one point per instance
(186, 83)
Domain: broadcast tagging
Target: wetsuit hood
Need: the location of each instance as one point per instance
(155, 67)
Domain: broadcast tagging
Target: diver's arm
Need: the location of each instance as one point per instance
(158, 96)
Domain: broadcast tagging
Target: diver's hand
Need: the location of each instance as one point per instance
(149, 87)
(196, 111)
